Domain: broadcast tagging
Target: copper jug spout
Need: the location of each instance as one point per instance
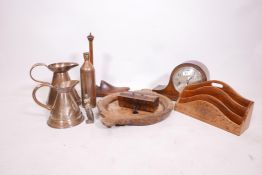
(62, 67)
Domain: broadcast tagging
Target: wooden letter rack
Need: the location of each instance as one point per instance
(216, 103)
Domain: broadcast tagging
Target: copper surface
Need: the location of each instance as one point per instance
(60, 74)
(90, 38)
(88, 83)
(105, 88)
(65, 112)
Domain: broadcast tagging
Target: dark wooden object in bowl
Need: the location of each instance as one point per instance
(112, 114)
(138, 101)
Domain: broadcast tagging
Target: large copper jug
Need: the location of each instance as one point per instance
(60, 74)
(65, 112)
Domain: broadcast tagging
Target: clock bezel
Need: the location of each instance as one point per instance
(181, 66)
(169, 90)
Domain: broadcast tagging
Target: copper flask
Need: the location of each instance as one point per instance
(88, 83)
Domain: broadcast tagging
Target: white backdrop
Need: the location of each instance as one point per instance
(137, 44)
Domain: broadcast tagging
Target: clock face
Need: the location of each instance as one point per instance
(185, 76)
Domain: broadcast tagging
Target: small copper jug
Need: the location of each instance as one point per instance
(60, 71)
(65, 112)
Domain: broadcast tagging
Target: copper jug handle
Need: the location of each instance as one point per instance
(48, 107)
(35, 65)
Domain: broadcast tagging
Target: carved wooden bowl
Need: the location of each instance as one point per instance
(112, 114)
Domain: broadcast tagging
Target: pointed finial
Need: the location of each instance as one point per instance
(90, 37)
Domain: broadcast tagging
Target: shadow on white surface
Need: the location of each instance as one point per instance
(161, 80)
(105, 71)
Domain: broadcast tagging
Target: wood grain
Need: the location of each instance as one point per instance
(112, 114)
(138, 101)
(221, 106)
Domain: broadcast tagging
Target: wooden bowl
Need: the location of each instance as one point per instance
(112, 114)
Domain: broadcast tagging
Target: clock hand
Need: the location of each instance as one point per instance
(190, 78)
(187, 82)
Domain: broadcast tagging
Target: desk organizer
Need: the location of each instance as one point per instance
(216, 103)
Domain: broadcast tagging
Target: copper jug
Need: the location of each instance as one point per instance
(60, 71)
(65, 112)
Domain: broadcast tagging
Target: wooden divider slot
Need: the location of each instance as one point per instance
(216, 103)
(218, 93)
(226, 88)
